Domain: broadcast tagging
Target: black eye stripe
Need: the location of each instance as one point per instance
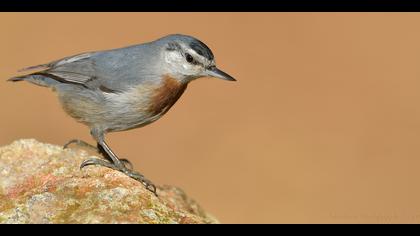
(173, 46)
(190, 59)
(201, 49)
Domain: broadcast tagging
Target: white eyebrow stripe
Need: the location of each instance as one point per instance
(201, 59)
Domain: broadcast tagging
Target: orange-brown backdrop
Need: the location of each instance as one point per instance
(323, 124)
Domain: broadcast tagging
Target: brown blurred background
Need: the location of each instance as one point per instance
(323, 124)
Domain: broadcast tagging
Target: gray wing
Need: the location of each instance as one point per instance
(78, 69)
(110, 71)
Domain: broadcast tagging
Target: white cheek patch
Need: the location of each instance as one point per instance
(175, 60)
(172, 57)
(186, 66)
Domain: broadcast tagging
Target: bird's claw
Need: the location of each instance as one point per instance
(129, 172)
(139, 177)
(97, 162)
(127, 164)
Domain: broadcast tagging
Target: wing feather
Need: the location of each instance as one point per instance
(78, 69)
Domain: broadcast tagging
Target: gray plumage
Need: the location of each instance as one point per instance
(125, 88)
(118, 69)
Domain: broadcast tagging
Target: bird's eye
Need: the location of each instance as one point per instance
(189, 58)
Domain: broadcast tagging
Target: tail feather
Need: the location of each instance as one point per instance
(16, 79)
(37, 67)
(29, 77)
(35, 79)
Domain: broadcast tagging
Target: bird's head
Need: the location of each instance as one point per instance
(187, 58)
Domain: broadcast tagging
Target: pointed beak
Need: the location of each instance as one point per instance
(216, 73)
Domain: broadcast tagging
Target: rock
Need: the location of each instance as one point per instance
(42, 183)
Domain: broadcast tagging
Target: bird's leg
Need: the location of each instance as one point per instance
(98, 149)
(106, 156)
(116, 164)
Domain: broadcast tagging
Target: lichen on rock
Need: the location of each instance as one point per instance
(42, 183)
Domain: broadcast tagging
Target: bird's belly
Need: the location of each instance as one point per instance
(142, 105)
(128, 111)
(108, 111)
(130, 121)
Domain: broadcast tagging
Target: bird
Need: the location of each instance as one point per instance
(124, 88)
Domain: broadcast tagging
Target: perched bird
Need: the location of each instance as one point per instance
(125, 88)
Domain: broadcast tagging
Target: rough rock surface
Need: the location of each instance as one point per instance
(42, 183)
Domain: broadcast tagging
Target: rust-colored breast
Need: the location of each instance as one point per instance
(166, 95)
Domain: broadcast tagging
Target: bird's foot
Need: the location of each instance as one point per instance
(82, 143)
(139, 177)
(122, 168)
